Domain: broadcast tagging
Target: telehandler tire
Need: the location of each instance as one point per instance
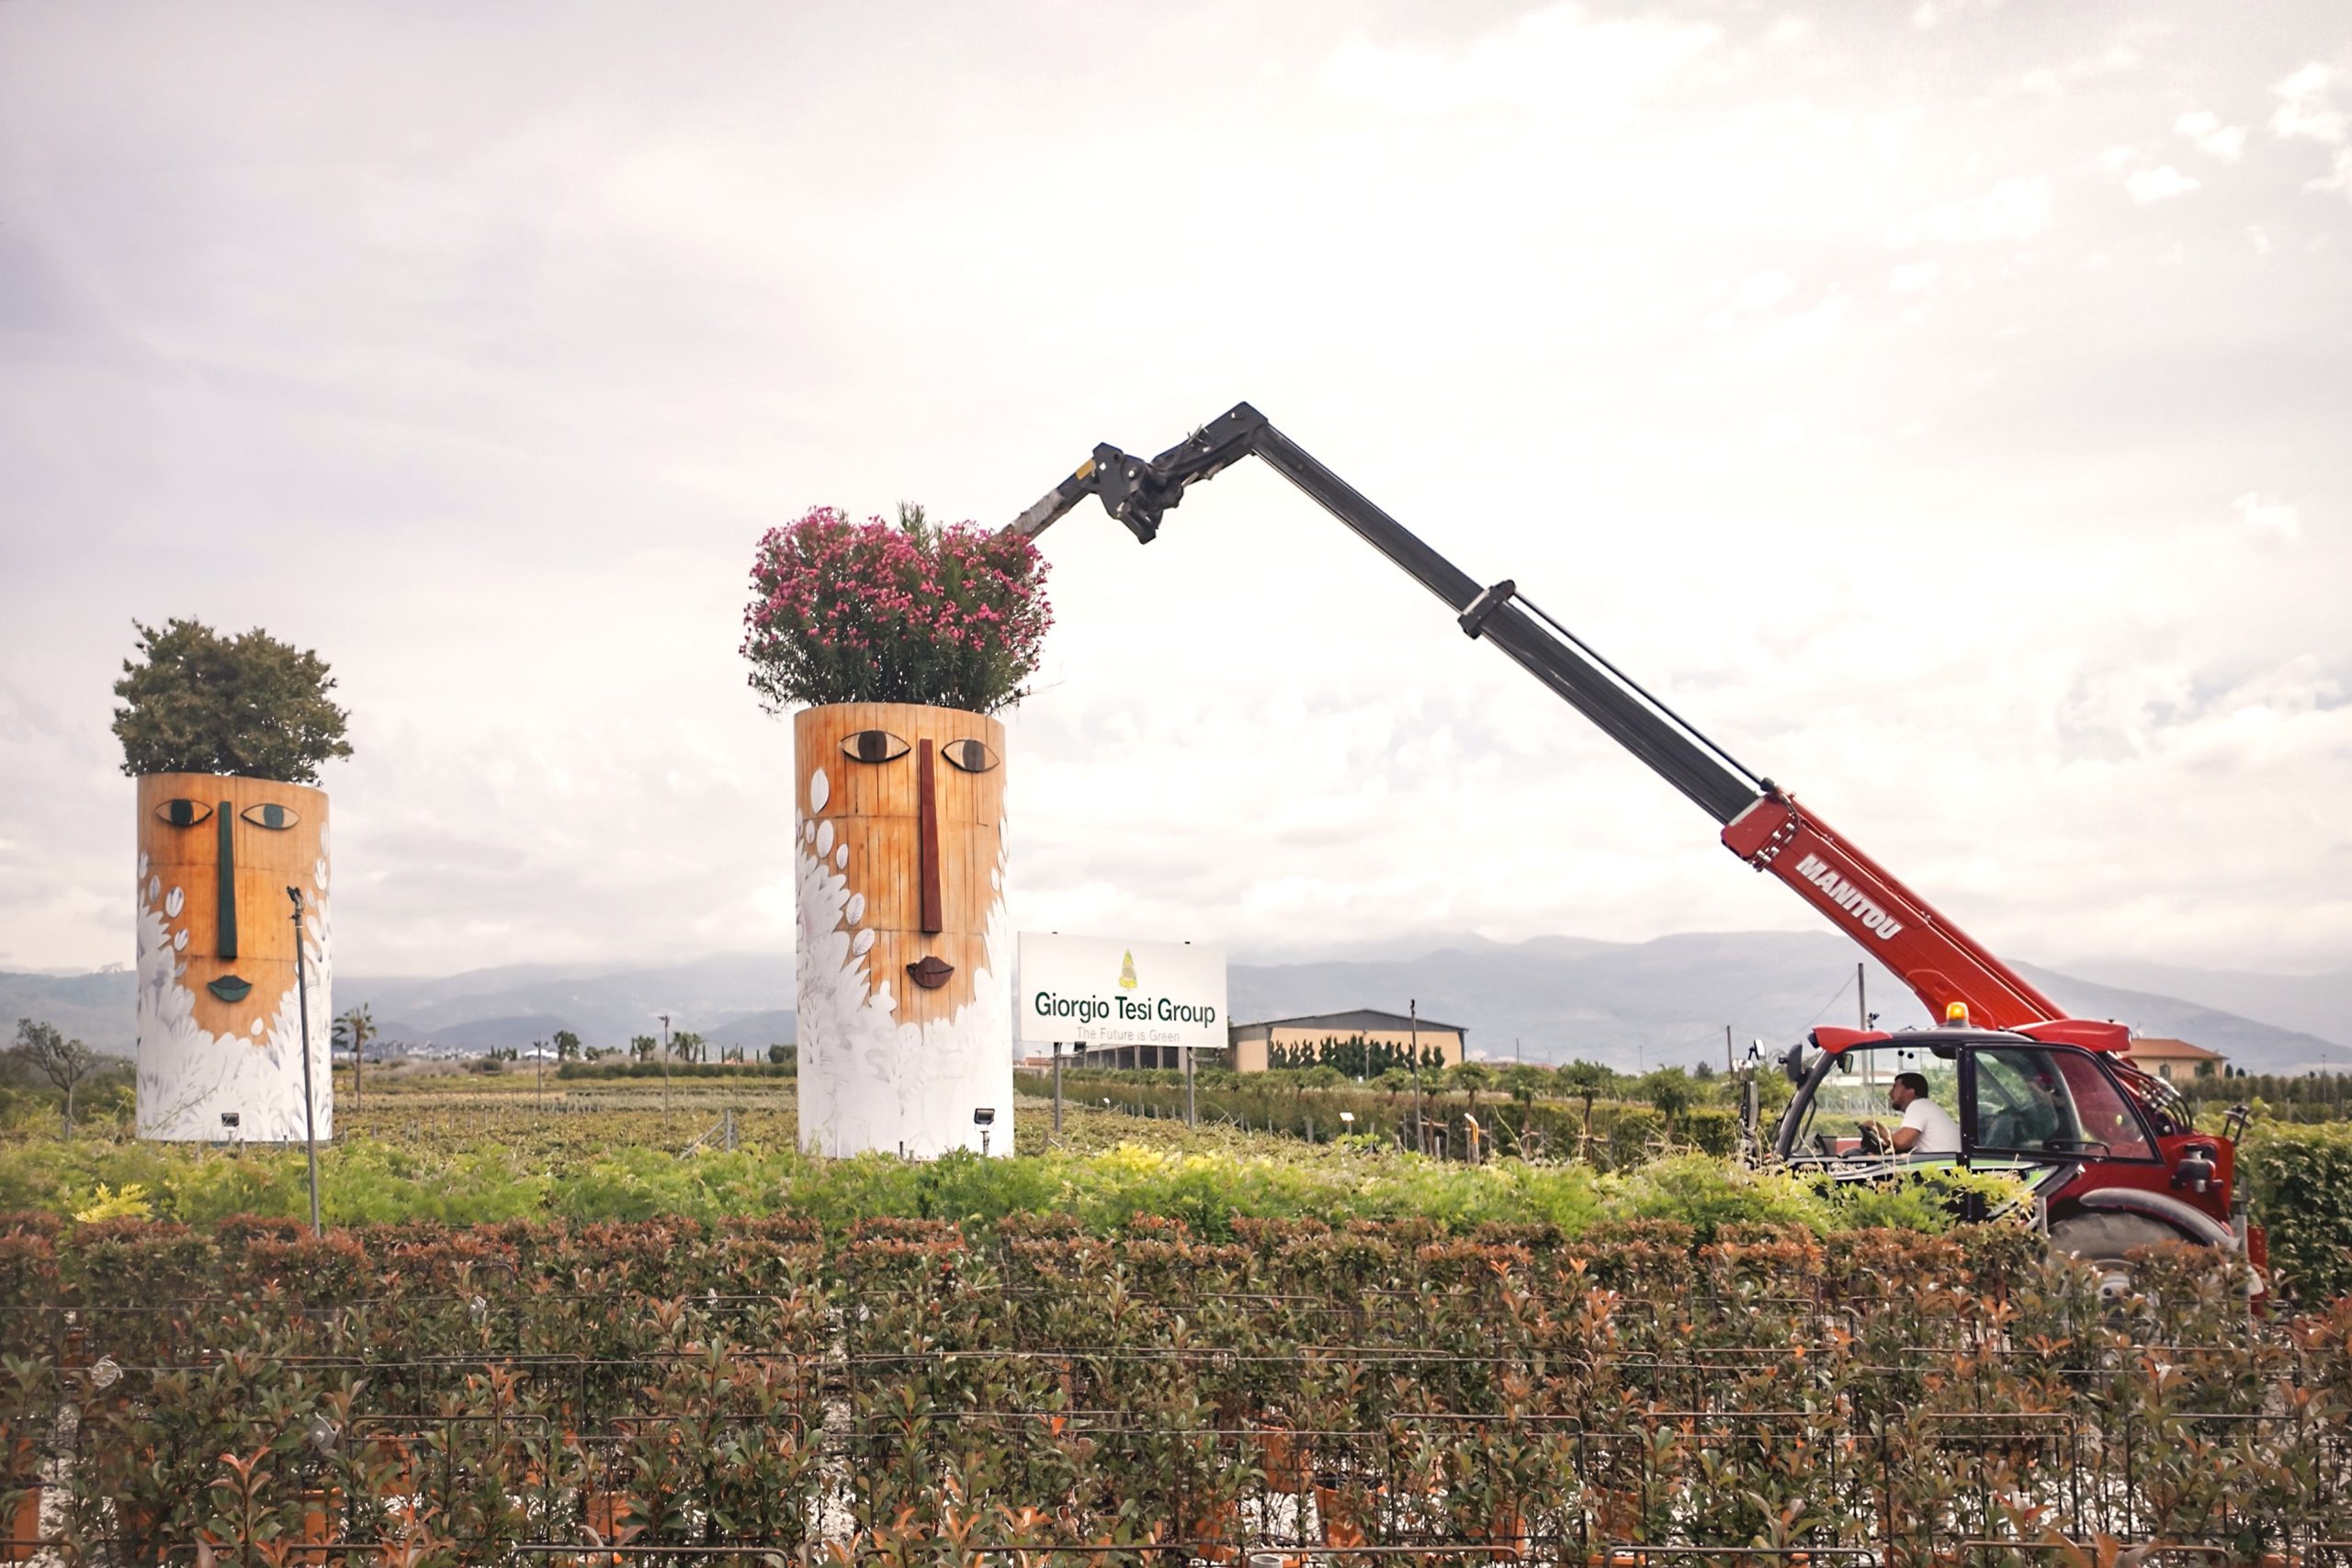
(2103, 1239)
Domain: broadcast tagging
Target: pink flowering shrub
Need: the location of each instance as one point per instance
(910, 612)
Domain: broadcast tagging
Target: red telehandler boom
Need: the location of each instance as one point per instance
(2114, 1157)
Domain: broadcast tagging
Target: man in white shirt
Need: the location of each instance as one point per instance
(1927, 1128)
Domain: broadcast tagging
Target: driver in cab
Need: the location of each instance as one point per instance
(1926, 1129)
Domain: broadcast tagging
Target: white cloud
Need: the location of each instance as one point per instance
(2307, 109)
(2146, 186)
(1934, 12)
(1912, 276)
(2204, 128)
(2017, 208)
(2339, 178)
(2266, 518)
(468, 329)
(1554, 62)
(1762, 290)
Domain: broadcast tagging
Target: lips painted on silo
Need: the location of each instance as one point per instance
(229, 988)
(932, 973)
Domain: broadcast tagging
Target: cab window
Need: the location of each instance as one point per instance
(1854, 1090)
(2040, 1101)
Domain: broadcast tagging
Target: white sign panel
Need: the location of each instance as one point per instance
(1101, 991)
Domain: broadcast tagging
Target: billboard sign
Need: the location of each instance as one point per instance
(1102, 991)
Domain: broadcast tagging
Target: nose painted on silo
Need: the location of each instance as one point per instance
(927, 836)
(232, 988)
(225, 871)
(933, 971)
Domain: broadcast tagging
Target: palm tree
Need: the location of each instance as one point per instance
(356, 1027)
(642, 1046)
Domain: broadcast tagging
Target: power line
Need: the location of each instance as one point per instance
(1832, 1001)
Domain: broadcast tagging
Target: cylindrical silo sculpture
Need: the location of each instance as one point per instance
(220, 1008)
(905, 961)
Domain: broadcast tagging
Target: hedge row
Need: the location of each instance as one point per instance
(435, 1396)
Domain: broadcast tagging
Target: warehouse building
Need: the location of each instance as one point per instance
(1252, 1047)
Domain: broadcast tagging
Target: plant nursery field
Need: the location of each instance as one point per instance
(582, 1330)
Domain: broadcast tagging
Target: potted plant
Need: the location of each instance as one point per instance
(895, 643)
(225, 735)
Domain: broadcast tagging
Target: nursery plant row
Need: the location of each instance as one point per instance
(2298, 1175)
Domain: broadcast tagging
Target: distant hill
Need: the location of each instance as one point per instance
(605, 1005)
(2257, 1047)
(2318, 1005)
(101, 1009)
(1548, 999)
(1639, 1004)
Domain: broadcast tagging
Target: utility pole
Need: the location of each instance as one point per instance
(1058, 1088)
(1413, 1022)
(310, 1100)
(1862, 1006)
(1729, 1066)
(665, 1065)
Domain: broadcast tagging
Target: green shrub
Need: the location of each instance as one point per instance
(2301, 1186)
(1928, 1200)
(1707, 1195)
(1711, 1129)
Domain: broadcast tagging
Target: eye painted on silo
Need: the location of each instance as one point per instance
(971, 756)
(873, 746)
(183, 813)
(272, 816)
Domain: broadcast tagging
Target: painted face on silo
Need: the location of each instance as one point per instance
(219, 1026)
(905, 959)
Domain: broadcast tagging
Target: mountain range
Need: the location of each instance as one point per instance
(1668, 1000)
(1546, 999)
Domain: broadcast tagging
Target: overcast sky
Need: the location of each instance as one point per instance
(1947, 408)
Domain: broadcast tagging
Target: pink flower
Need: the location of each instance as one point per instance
(887, 611)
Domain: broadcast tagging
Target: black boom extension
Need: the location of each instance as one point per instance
(1140, 492)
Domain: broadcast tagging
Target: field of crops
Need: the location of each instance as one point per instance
(463, 1150)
